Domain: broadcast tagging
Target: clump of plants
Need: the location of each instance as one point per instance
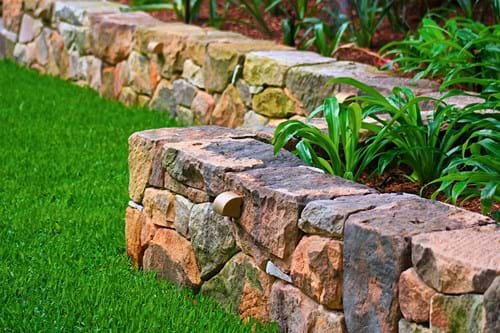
(454, 151)
(460, 52)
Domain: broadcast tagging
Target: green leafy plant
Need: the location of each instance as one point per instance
(187, 10)
(338, 151)
(461, 52)
(476, 173)
(326, 40)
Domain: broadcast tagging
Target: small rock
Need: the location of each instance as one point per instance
(254, 120)
(244, 91)
(202, 107)
(30, 29)
(173, 258)
(275, 271)
(76, 39)
(128, 97)
(230, 110)
(407, 327)
(492, 307)
(185, 115)
(193, 74)
(184, 92)
(12, 11)
(142, 77)
(133, 224)
(163, 99)
(414, 297)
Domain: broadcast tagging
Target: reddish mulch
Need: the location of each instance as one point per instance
(398, 183)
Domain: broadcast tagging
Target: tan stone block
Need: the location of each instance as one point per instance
(230, 109)
(133, 227)
(173, 258)
(159, 206)
(414, 297)
(128, 97)
(317, 270)
(202, 107)
(274, 103)
(12, 14)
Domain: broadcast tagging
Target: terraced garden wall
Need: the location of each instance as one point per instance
(203, 76)
(312, 252)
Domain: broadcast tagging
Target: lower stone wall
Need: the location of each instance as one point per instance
(312, 252)
(200, 75)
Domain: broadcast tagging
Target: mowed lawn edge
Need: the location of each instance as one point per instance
(63, 192)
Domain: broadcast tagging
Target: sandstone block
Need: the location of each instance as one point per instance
(112, 35)
(107, 82)
(182, 212)
(78, 12)
(377, 250)
(244, 91)
(459, 261)
(254, 120)
(12, 14)
(184, 92)
(273, 203)
(173, 258)
(274, 103)
(317, 270)
(148, 232)
(242, 288)
(128, 97)
(212, 240)
(143, 76)
(184, 115)
(222, 58)
(295, 312)
(492, 307)
(414, 297)
(133, 226)
(460, 314)
(42, 47)
(202, 106)
(145, 158)
(121, 78)
(58, 56)
(230, 110)
(92, 70)
(163, 99)
(202, 164)
(159, 206)
(270, 67)
(193, 74)
(76, 39)
(310, 83)
(30, 29)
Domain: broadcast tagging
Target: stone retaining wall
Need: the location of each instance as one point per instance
(203, 76)
(312, 252)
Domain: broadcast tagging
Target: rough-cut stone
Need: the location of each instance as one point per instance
(407, 327)
(193, 74)
(242, 288)
(58, 56)
(212, 240)
(295, 312)
(327, 217)
(163, 99)
(270, 67)
(128, 97)
(184, 115)
(273, 203)
(30, 29)
(244, 90)
(182, 212)
(159, 206)
(133, 226)
(112, 35)
(184, 92)
(254, 120)
(122, 78)
(460, 261)
(76, 39)
(492, 307)
(457, 314)
(145, 158)
(222, 58)
(148, 232)
(377, 250)
(317, 270)
(173, 258)
(202, 107)
(78, 12)
(42, 48)
(274, 103)
(202, 164)
(143, 101)
(310, 83)
(230, 110)
(414, 297)
(12, 11)
(143, 77)
(91, 67)
(107, 83)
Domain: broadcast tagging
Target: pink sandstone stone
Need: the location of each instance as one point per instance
(414, 297)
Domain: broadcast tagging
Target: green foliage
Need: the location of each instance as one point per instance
(63, 193)
(255, 9)
(187, 13)
(476, 173)
(461, 52)
(343, 152)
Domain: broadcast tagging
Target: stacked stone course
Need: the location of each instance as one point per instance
(200, 75)
(312, 252)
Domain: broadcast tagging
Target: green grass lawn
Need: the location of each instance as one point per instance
(63, 193)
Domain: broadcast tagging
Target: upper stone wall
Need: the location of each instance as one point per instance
(200, 75)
